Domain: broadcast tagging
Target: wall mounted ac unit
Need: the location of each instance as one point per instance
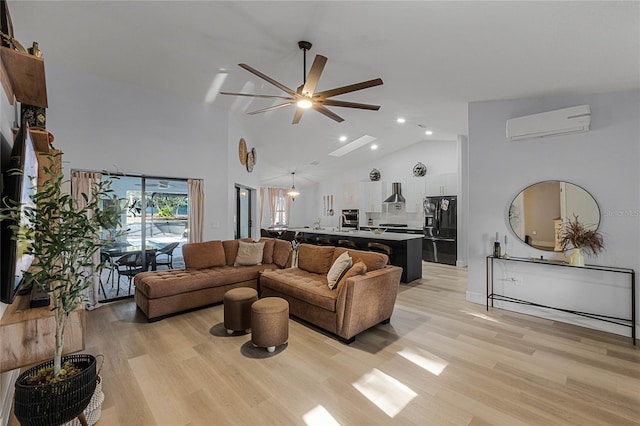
(559, 122)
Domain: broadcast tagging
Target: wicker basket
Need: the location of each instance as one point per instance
(94, 410)
(55, 403)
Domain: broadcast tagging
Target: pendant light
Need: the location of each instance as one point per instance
(293, 192)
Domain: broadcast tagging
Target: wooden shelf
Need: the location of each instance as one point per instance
(22, 76)
(28, 335)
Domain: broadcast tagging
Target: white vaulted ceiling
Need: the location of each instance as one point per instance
(434, 58)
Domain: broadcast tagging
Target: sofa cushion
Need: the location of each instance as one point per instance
(339, 267)
(267, 253)
(316, 259)
(230, 251)
(373, 260)
(203, 255)
(358, 268)
(302, 285)
(249, 254)
(165, 283)
(281, 252)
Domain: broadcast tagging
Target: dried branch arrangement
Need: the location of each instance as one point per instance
(574, 234)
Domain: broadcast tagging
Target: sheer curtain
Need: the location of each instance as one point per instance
(274, 194)
(81, 183)
(261, 206)
(196, 210)
(288, 209)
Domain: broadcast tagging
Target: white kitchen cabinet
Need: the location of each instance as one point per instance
(350, 195)
(372, 196)
(414, 191)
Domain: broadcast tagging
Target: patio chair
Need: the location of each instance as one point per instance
(106, 259)
(164, 255)
(129, 265)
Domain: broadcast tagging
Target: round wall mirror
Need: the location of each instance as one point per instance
(537, 212)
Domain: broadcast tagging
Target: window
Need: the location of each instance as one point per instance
(281, 210)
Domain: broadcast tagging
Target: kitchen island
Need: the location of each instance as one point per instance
(407, 248)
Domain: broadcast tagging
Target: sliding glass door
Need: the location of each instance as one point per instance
(154, 225)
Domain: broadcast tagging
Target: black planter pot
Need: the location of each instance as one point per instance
(55, 403)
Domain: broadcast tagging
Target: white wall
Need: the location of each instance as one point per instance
(603, 161)
(238, 174)
(102, 125)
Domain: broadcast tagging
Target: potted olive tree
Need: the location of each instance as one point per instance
(64, 236)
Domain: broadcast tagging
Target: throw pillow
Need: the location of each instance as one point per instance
(249, 254)
(339, 267)
(358, 268)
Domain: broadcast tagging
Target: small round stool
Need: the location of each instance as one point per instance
(237, 308)
(269, 323)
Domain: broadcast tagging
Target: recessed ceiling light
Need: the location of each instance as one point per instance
(374, 146)
(343, 138)
(428, 132)
(401, 120)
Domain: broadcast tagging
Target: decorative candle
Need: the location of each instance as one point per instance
(505, 240)
(497, 237)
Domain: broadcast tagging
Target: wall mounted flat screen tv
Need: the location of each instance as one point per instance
(21, 182)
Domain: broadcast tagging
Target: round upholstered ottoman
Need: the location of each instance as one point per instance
(237, 308)
(269, 323)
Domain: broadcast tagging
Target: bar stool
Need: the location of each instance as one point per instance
(380, 248)
(348, 244)
(322, 241)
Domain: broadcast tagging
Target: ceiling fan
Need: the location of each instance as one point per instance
(305, 96)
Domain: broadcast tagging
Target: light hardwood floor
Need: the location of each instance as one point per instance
(440, 361)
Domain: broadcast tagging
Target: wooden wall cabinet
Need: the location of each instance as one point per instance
(28, 335)
(22, 77)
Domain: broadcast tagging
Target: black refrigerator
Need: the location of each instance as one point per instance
(440, 242)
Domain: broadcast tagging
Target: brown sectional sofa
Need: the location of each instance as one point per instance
(363, 298)
(209, 272)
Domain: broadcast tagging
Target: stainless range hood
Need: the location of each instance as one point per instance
(396, 195)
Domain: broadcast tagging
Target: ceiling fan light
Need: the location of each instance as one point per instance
(304, 103)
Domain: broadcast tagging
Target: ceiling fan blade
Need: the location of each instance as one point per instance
(349, 88)
(256, 96)
(270, 108)
(328, 113)
(267, 78)
(314, 75)
(345, 104)
(298, 115)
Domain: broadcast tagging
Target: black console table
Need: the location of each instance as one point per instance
(491, 295)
